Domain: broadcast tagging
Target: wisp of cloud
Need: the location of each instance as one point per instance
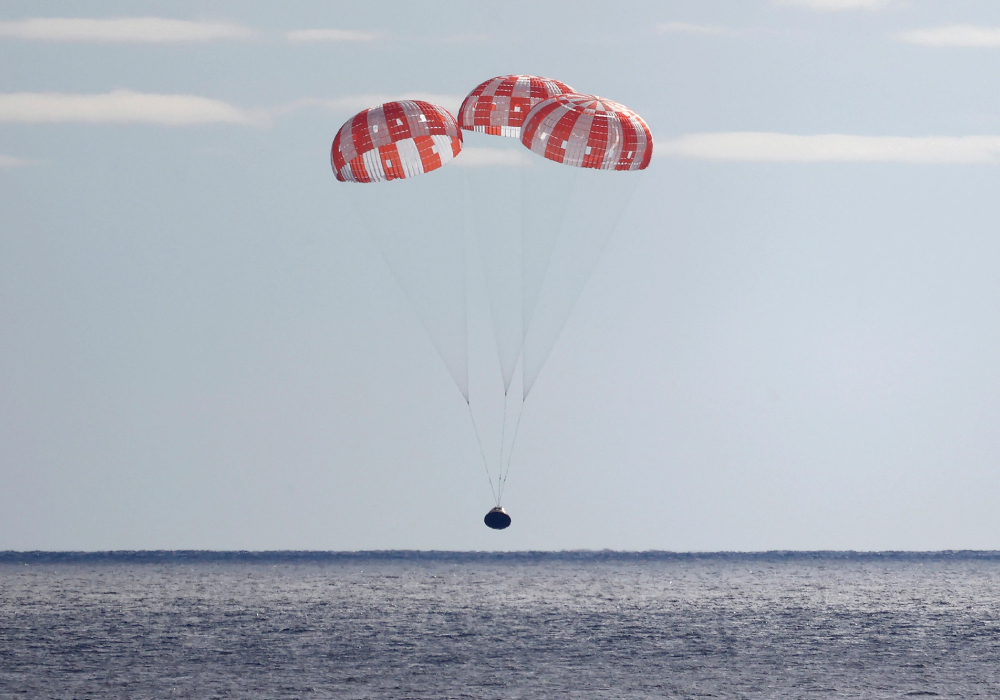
(302, 36)
(967, 35)
(117, 107)
(157, 30)
(832, 148)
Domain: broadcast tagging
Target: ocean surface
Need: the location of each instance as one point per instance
(525, 625)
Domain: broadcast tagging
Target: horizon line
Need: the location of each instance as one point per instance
(292, 555)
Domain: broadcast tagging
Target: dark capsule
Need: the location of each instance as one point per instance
(497, 519)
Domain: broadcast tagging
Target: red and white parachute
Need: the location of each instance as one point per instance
(395, 140)
(588, 132)
(533, 228)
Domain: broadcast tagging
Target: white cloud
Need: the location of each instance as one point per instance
(122, 30)
(317, 35)
(356, 103)
(832, 148)
(953, 35)
(12, 162)
(473, 157)
(117, 107)
(685, 28)
(835, 5)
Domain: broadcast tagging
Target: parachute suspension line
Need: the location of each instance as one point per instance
(623, 205)
(510, 454)
(503, 436)
(482, 453)
(502, 479)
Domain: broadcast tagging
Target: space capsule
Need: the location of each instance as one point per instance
(497, 519)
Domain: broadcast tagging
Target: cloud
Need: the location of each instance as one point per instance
(355, 103)
(472, 157)
(835, 5)
(302, 36)
(12, 162)
(832, 148)
(953, 35)
(117, 107)
(467, 39)
(156, 30)
(685, 28)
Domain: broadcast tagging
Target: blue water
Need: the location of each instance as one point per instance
(440, 625)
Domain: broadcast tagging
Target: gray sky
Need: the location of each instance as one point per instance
(790, 342)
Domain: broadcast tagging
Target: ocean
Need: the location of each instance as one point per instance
(485, 625)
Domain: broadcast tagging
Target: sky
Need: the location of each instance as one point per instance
(790, 341)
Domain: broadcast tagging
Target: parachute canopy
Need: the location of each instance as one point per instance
(499, 105)
(586, 131)
(395, 140)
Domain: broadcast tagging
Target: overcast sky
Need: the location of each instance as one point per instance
(792, 340)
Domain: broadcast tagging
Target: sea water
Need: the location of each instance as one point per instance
(526, 625)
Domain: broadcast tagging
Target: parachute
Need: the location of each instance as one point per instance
(528, 229)
(415, 219)
(588, 132)
(395, 140)
(499, 105)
